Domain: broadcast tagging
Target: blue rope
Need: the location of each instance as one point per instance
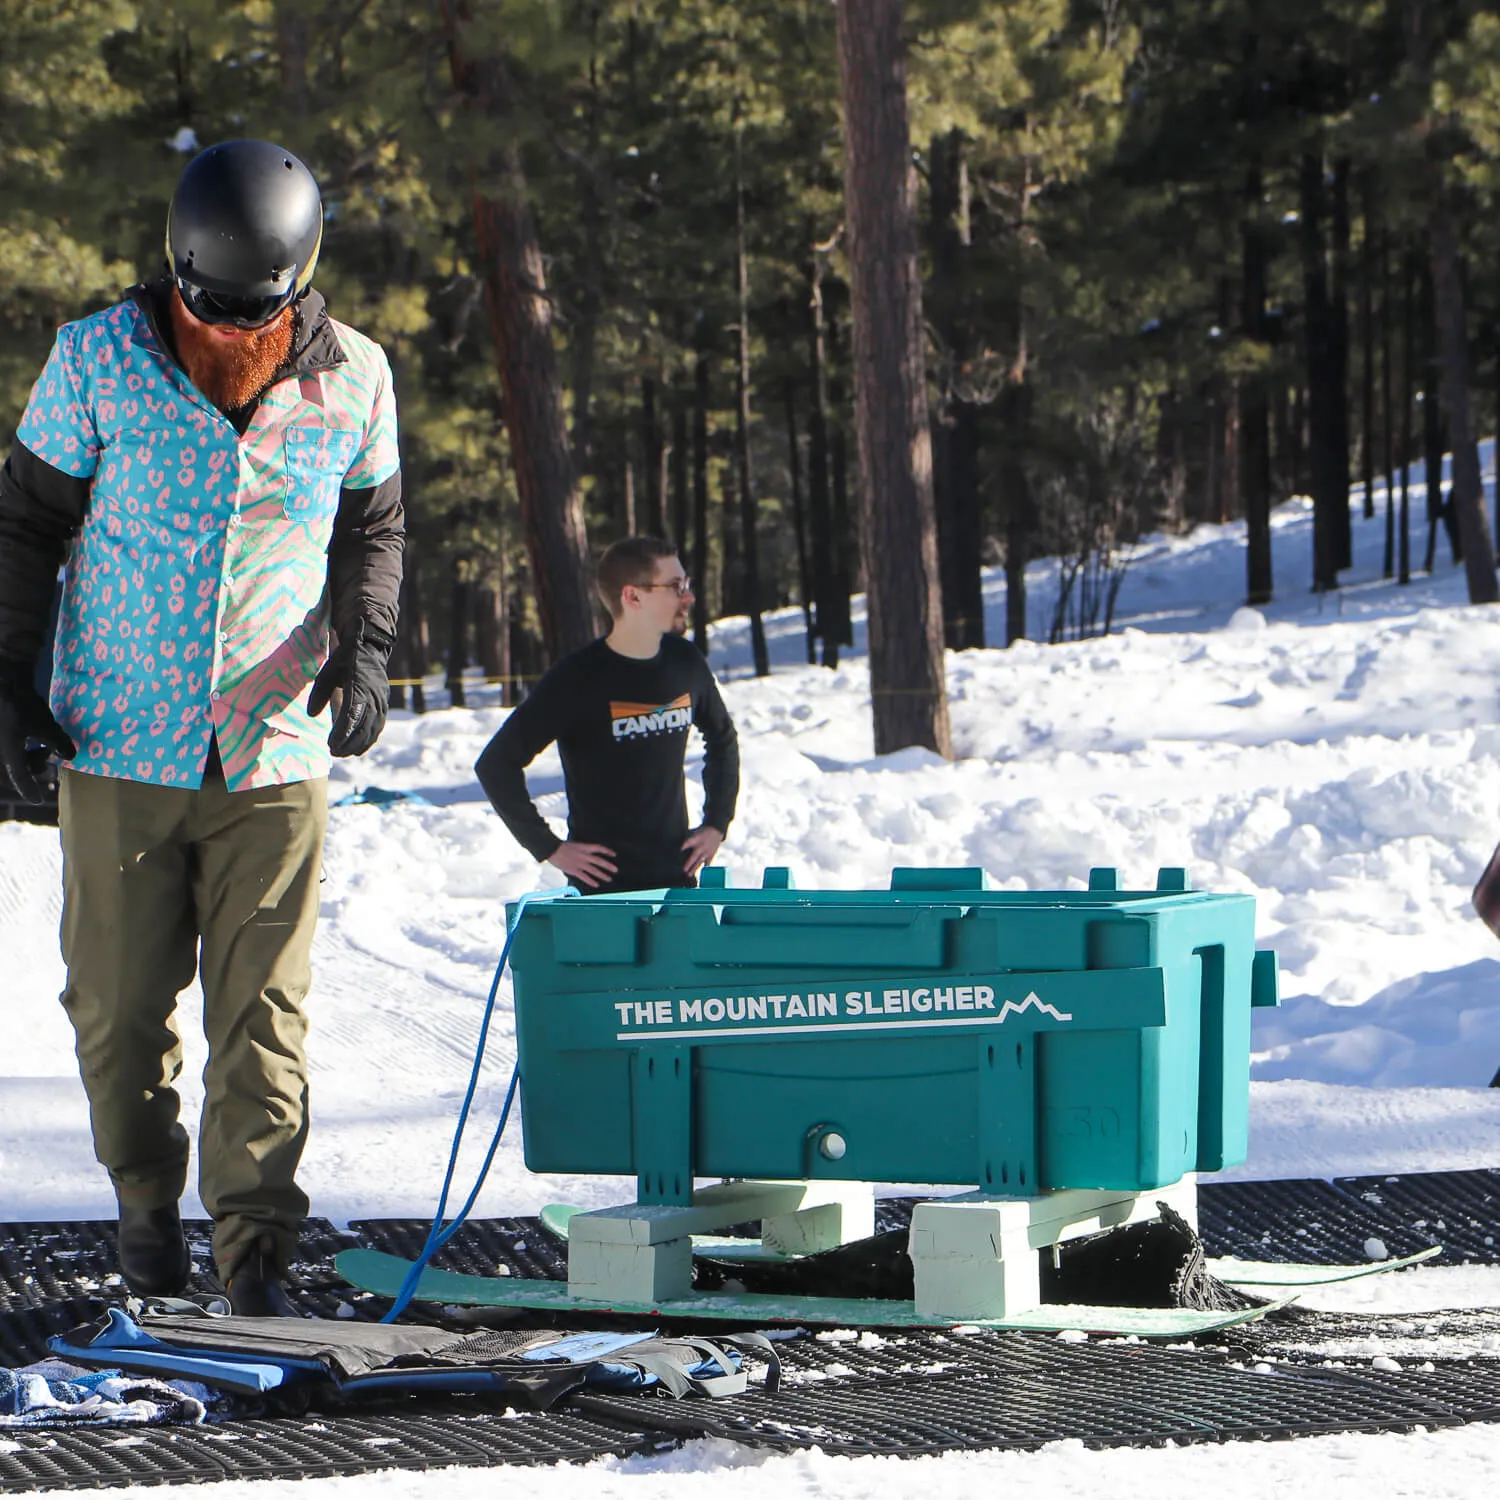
(439, 1234)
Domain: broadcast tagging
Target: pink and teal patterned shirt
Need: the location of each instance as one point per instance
(195, 600)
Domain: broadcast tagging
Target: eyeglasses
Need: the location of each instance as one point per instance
(681, 586)
(221, 309)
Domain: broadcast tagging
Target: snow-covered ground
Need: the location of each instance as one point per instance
(1339, 759)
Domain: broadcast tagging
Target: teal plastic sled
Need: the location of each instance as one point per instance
(936, 1032)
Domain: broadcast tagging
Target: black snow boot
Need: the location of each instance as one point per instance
(153, 1251)
(255, 1287)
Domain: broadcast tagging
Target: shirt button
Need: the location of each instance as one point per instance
(224, 637)
(217, 696)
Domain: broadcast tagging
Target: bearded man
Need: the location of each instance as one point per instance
(215, 460)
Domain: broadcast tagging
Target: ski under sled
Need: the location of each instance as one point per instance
(383, 1275)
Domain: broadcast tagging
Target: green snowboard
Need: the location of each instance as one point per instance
(374, 1271)
(1274, 1273)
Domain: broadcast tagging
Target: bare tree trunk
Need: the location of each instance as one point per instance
(629, 526)
(849, 571)
(492, 633)
(1223, 499)
(1233, 504)
(1387, 400)
(583, 336)
(968, 520)
(527, 664)
(1213, 478)
(1466, 496)
(1323, 391)
(1017, 506)
(955, 427)
(1339, 444)
(1255, 405)
(679, 475)
(700, 496)
(399, 667)
(749, 507)
(820, 503)
(1466, 499)
(731, 573)
(520, 313)
(1408, 400)
(1495, 430)
(799, 520)
(505, 658)
(1367, 351)
(1295, 414)
(897, 525)
(292, 51)
(1432, 431)
(1168, 512)
(651, 459)
(413, 627)
(399, 671)
(458, 634)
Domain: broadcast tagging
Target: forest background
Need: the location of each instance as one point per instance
(1178, 260)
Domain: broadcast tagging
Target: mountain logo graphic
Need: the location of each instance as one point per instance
(1032, 1002)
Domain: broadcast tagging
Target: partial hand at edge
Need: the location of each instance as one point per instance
(354, 680)
(25, 715)
(588, 865)
(699, 848)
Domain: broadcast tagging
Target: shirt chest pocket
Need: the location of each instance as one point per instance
(316, 459)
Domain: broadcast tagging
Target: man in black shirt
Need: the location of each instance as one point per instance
(619, 711)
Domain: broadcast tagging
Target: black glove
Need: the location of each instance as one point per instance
(353, 679)
(24, 716)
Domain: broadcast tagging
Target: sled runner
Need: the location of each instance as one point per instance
(733, 1250)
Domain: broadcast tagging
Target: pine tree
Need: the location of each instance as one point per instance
(897, 523)
(509, 258)
(56, 260)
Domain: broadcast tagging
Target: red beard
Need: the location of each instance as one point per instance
(230, 372)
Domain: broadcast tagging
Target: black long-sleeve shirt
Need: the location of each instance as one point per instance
(621, 728)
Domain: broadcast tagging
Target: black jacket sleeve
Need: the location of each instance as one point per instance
(364, 557)
(721, 754)
(501, 767)
(41, 511)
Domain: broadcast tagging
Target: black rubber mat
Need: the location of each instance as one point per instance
(1304, 1219)
(434, 1434)
(1458, 1210)
(55, 1276)
(78, 1259)
(479, 1248)
(936, 1393)
(912, 1392)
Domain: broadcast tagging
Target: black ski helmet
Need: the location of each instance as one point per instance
(244, 230)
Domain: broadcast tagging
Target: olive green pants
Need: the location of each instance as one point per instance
(159, 882)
